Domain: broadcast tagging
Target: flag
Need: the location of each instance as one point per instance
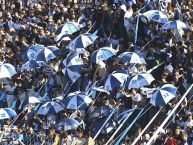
(82, 21)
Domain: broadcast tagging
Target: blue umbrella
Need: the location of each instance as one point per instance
(32, 52)
(139, 80)
(7, 70)
(100, 112)
(6, 113)
(51, 107)
(97, 124)
(79, 44)
(177, 24)
(68, 28)
(131, 57)
(67, 124)
(77, 100)
(72, 67)
(32, 64)
(115, 80)
(163, 95)
(48, 53)
(156, 15)
(102, 54)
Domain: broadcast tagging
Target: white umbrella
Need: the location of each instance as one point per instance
(7, 70)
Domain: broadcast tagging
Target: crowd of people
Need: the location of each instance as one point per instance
(119, 24)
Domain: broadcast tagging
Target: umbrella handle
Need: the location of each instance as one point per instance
(91, 27)
(92, 103)
(69, 88)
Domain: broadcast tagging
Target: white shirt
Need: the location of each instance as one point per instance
(188, 124)
(128, 17)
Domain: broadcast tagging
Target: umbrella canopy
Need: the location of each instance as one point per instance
(7, 70)
(102, 54)
(177, 24)
(67, 28)
(48, 53)
(67, 124)
(100, 112)
(32, 64)
(163, 95)
(6, 113)
(130, 57)
(72, 67)
(139, 80)
(79, 44)
(156, 15)
(32, 52)
(77, 100)
(97, 124)
(115, 80)
(51, 107)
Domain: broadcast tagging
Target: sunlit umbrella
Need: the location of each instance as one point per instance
(72, 67)
(7, 70)
(163, 95)
(139, 80)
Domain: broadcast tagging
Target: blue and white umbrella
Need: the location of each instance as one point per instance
(32, 64)
(32, 52)
(131, 57)
(51, 107)
(7, 70)
(97, 124)
(139, 80)
(102, 54)
(79, 44)
(77, 100)
(67, 124)
(163, 95)
(72, 67)
(177, 24)
(68, 28)
(156, 15)
(100, 112)
(48, 53)
(6, 113)
(115, 80)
